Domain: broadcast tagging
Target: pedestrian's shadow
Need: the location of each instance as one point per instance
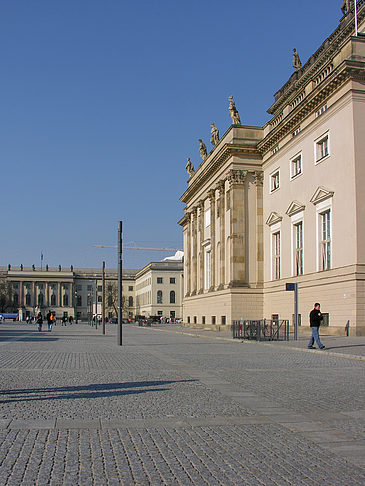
(97, 390)
(347, 346)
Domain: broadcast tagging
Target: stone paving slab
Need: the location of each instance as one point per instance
(32, 424)
(175, 409)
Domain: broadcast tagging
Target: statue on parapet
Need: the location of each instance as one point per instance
(346, 6)
(296, 61)
(190, 167)
(214, 139)
(233, 112)
(203, 149)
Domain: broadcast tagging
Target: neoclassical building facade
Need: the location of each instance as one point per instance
(284, 202)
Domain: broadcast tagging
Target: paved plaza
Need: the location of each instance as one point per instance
(174, 406)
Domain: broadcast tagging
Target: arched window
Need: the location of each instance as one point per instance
(159, 296)
(172, 297)
(130, 301)
(65, 299)
(27, 299)
(53, 299)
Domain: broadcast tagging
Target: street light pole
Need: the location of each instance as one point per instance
(120, 270)
(103, 298)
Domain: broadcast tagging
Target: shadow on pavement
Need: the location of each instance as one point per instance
(20, 336)
(98, 390)
(348, 346)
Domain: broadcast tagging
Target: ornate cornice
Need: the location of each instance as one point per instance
(312, 101)
(212, 164)
(316, 62)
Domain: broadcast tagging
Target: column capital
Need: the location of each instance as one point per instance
(211, 195)
(194, 211)
(221, 186)
(200, 204)
(236, 176)
(258, 177)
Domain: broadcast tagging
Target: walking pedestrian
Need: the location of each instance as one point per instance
(39, 321)
(315, 318)
(49, 321)
(64, 320)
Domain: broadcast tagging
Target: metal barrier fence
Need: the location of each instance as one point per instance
(261, 330)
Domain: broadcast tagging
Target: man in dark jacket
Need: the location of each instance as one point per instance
(315, 318)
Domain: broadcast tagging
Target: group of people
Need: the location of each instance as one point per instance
(51, 320)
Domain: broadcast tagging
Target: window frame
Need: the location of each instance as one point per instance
(297, 156)
(317, 142)
(321, 209)
(159, 297)
(274, 230)
(271, 179)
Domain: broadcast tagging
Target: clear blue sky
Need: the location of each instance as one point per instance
(102, 101)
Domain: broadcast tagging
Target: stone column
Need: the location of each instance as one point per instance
(258, 181)
(46, 295)
(60, 302)
(33, 297)
(188, 255)
(21, 294)
(200, 246)
(194, 256)
(237, 178)
(222, 224)
(211, 194)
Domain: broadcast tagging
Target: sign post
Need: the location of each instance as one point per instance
(120, 270)
(103, 298)
(293, 287)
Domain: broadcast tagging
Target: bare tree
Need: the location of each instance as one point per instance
(111, 297)
(6, 295)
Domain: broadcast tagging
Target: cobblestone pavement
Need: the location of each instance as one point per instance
(171, 408)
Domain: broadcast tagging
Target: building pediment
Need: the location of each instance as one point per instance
(294, 208)
(273, 218)
(321, 194)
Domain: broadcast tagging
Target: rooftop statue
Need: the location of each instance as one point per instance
(346, 6)
(296, 61)
(214, 139)
(189, 167)
(203, 149)
(233, 112)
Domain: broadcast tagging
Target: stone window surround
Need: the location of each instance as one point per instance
(317, 142)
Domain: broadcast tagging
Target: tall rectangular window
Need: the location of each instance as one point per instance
(207, 217)
(207, 268)
(325, 250)
(295, 166)
(322, 148)
(275, 181)
(276, 256)
(298, 248)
